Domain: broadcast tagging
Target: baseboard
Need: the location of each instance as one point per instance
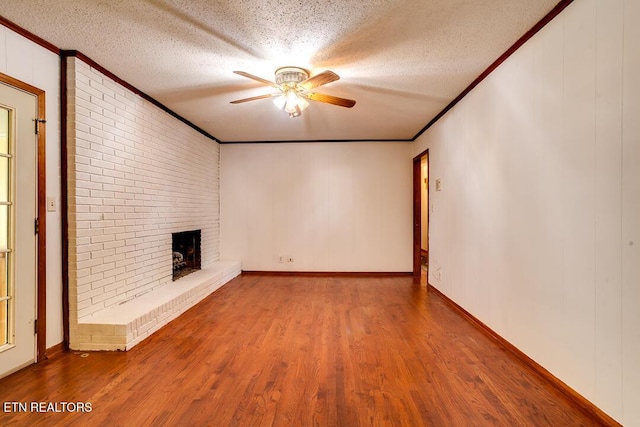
(586, 406)
(53, 350)
(328, 273)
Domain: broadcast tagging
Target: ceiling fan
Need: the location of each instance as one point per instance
(294, 85)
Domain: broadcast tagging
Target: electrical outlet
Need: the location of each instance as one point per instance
(281, 259)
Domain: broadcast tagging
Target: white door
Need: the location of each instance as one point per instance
(18, 244)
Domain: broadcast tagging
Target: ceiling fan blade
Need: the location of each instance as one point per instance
(253, 98)
(319, 79)
(256, 78)
(329, 99)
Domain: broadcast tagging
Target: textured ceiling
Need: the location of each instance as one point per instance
(402, 61)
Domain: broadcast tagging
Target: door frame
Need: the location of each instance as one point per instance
(417, 213)
(41, 269)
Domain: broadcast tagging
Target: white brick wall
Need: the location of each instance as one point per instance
(136, 175)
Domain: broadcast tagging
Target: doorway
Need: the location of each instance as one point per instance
(22, 286)
(421, 214)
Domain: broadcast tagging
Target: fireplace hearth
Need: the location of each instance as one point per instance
(186, 253)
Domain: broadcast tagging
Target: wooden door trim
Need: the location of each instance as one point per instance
(41, 280)
(417, 213)
(64, 202)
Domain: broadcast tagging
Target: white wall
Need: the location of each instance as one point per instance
(331, 207)
(136, 175)
(39, 67)
(536, 231)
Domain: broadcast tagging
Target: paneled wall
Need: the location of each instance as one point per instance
(328, 206)
(26, 61)
(136, 175)
(536, 231)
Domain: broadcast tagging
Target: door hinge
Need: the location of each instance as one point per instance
(36, 226)
(35, 327)
(37, 123)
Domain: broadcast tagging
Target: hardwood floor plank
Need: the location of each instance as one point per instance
(270, 350)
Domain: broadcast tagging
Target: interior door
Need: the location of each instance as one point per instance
(18, 241)
(420, 210)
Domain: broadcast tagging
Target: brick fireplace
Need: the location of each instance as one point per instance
(137, 176)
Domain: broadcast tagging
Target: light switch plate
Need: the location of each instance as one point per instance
(52, 206)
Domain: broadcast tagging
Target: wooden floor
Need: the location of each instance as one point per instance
(299, 351)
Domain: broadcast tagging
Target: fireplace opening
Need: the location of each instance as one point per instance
(186, 253)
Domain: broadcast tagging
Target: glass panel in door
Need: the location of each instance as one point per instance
(5, 205)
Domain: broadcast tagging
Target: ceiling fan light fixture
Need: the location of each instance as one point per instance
(291, 76)
(302, 103)
(294, 86)
(295, 106)
(295, 113)
(280, 101)
(291, 102)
